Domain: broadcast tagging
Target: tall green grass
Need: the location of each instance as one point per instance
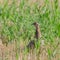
(16, 21)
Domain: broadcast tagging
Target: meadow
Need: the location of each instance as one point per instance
(16, 29)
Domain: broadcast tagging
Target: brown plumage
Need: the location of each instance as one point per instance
(37, 32)
(37, 36)
(31, 44)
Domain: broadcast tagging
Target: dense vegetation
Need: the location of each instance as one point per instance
(16, 21)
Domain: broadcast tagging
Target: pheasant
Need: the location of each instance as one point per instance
(31, 44)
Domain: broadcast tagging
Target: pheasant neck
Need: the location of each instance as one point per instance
(37, 33)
